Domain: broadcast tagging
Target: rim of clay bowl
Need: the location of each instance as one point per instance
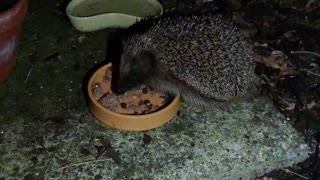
(174, 104)
(105, 20)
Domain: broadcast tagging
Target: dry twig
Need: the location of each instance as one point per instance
(288, 171)
(305, 52)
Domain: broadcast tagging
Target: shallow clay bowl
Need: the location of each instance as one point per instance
(92, 15)
(123, 121)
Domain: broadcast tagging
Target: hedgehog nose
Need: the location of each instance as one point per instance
(116, 89)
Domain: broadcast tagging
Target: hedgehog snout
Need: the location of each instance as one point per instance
(117, 89)
(121, 87)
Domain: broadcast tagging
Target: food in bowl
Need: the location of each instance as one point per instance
(137, 101)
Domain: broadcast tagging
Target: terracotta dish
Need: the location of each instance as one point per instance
(123, 118)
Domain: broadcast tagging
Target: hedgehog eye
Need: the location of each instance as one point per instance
(124, 59)
(126, 63)
(146, 58)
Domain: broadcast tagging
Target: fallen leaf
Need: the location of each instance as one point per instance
(273, 62)
(310, 105)
(290, 106)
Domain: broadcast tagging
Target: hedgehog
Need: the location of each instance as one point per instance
(201, 57)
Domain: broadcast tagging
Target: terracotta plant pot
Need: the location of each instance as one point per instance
(10, 25)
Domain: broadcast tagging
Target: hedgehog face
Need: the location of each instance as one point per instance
(134, 70)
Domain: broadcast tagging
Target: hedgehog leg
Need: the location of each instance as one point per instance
(207, 104)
